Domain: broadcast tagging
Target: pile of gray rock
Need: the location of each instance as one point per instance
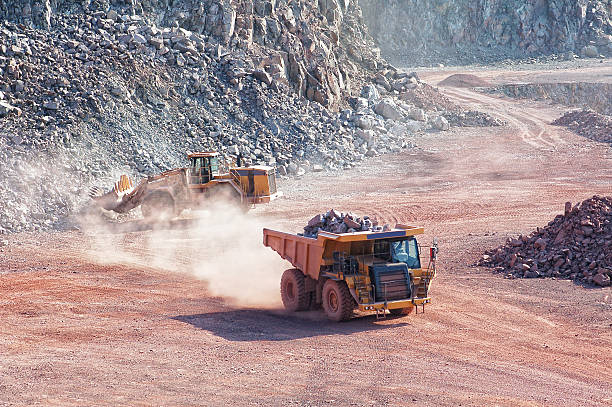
(576, 245)
(340, 222)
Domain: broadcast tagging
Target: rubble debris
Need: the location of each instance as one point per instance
(471, 118)
(589, 124)
(441, 123)
(576, 245)
(340, 222)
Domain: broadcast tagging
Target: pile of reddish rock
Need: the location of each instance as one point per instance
(576, 245)
(340, 222)
(589, 124)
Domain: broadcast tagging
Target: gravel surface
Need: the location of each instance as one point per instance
(138, 331)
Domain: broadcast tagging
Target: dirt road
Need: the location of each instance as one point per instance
(77, 330)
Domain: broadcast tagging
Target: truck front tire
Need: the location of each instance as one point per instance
(293, 291)
(337, 301)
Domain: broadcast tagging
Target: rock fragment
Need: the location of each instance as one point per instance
(340, 222)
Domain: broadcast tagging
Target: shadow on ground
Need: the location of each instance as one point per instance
(276, 325)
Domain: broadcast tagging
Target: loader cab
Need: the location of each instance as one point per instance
(203, 167)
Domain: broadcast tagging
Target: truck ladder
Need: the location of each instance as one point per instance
(364, 294)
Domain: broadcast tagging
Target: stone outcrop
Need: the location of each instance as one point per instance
(467, 31)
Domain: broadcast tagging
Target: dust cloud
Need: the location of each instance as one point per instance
(221, 245)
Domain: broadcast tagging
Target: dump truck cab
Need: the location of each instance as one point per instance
(370, 271)
(381, 269)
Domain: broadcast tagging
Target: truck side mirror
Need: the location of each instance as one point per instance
(433, 250)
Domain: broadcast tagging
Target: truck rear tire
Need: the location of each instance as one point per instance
(337, 301)
(293, 291)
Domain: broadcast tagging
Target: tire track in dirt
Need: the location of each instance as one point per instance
(532, 129)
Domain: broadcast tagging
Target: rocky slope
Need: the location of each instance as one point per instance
(596, 96)
(465, 31)
(316, 48)
(91, 90)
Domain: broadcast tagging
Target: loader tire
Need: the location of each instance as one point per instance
(402, 311)
(293, 291)
(158, 206)
(337, 301)
(225, 194)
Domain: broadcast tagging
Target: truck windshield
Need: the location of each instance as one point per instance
(406, 251)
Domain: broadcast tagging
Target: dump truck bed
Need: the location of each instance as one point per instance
(309, 254)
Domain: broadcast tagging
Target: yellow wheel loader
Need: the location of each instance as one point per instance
(166, 195)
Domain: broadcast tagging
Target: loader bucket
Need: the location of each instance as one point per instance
(124, 186)
(113, 199)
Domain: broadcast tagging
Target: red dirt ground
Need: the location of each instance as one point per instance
(75, 331)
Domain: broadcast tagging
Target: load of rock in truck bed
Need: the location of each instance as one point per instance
(576, 245)
(341, 222)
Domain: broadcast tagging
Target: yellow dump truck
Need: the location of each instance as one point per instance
(369, 271)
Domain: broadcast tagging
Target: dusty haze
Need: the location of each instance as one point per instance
(221, 245)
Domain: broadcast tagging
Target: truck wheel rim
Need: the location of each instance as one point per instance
(332, 300)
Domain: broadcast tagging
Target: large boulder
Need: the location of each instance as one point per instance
(441, 123)
(389, 110)
(602, 280)
(366, 135)
(399, 130)
(417, 114)
(6, 109)
(413, 126)
(364, 122)
(590, 51)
